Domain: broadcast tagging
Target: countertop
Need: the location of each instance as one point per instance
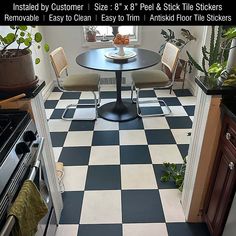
(31, 93)
(210, 88)
(228, 106)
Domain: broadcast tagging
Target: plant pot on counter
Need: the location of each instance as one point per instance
(17, 72)
(91, 36)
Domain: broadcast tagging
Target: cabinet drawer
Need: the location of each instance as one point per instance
(229, 134)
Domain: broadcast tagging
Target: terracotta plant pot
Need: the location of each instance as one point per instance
(91, 37)
(17, 73)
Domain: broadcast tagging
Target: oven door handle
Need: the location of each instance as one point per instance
(37, 159)
(7, 228)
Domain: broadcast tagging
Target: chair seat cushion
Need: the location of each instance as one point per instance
(150, 79)
(82, 82)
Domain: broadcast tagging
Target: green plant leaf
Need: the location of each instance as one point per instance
(38, 37)
(37, 60)
(27, 42)
(10, 38)
(230, 33)
(46, 47)
(23, 27)
(195, 64)
(22, 34)
(21, 40)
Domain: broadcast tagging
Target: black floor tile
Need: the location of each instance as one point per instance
(100, 230)
(135, 154)
(159, 171)
(57, 113)
(101, 138)
(72, 202)
(58, 138)
(141, 206)
(179, 122)
(105, 177)
(67, 95)
(147, 94)
(161, 136)
(108, 94)
(187, 229)
(74, 156)
(151, 110)
(183, 148)
(50, 104)
(82, 125)
(56, 89)
(170, 101)
(190, 110)
(182, 92)
(132, 124)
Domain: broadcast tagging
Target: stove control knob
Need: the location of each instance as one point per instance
(22, 148)
(29, 136)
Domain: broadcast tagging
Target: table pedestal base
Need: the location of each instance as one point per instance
(118, 111)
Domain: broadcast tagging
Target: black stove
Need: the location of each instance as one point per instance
(12, 123)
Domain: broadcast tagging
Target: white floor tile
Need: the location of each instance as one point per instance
(58, 125)
(132, 137)
(192, 118)
(172, 207)
(49, 113)
(57, 152)
(54, 96)
(105, 101)
(62, 104)
(101, 207)
(84, 113)
(64, 230)
(104, 155)
(75, 177)
(155, 123)
(181, 135)
(185, 101)
(138, 177)
(164, 93)
(145, 102)
(87, 95)
(165, 153)
(176, 111)
(102, 124)
(126, 94)
(78, 138)
(149, 229)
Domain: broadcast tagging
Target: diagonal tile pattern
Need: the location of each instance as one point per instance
(113, 170)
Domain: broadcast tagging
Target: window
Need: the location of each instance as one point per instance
(105, 33)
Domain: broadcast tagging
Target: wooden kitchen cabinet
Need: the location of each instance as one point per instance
(223, 179)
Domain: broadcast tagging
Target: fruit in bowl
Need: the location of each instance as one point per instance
(120, 41)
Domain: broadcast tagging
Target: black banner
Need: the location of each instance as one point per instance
(148, 12)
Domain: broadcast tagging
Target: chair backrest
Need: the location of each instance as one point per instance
(58, 60)
(170, 58)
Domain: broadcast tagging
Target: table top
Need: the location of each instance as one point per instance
(95, 59)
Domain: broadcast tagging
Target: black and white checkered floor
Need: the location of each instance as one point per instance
(112, 170)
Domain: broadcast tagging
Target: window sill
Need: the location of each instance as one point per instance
(106, 44)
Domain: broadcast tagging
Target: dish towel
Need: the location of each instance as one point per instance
(28, 209)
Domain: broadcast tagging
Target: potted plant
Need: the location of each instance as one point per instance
(169, 36)
(215, 64)
(91, 33)
(16, 65)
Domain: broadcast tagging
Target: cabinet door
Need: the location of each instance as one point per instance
(223, 192)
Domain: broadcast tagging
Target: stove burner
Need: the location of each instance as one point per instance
(12, 123)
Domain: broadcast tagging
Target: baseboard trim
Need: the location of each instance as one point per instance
(48, 89)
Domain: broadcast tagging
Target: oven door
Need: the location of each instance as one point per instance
(33, 173)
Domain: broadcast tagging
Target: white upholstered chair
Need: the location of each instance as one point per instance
(156, 79)
(74, 83)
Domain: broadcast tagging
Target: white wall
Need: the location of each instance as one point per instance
(71, 39)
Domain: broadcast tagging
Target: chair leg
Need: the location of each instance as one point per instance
(77, 105)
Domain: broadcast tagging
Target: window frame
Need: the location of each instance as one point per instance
(134, 41)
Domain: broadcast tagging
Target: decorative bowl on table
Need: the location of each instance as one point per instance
(121, 41)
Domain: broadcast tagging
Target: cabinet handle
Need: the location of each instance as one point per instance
(231, 165)
(228, 136)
